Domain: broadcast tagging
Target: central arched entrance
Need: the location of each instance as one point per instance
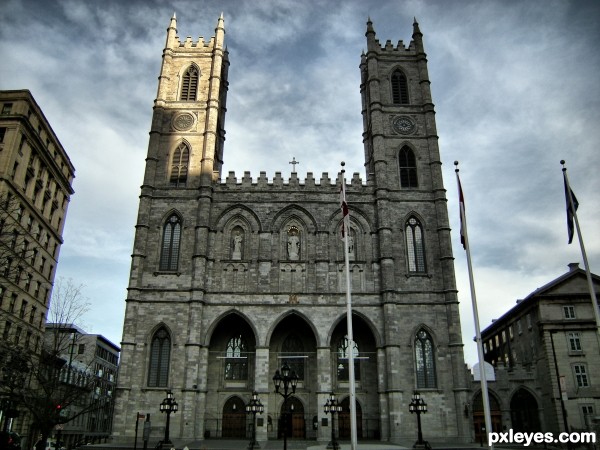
(344, 420)
(479, 417)
(291, 418)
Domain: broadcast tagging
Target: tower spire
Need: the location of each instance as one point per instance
(172, 31)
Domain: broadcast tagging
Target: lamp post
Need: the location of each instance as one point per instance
(289, 380)
(332, 406)
(254, 406)
(418, 406)
(168, 406)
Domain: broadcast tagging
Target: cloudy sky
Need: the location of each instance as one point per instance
(515, 84)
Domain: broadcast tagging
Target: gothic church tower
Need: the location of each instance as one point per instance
(233, 277)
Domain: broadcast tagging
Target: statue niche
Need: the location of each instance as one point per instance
(293, 244)
(237, 239)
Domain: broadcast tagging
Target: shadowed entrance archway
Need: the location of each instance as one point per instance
(524, 411)
(292, 419)
(479, 417)
(344, 419)
(234, 418)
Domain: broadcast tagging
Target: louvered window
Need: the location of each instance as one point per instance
(189, 85)
(399, 88)
(179, 166)
(160, 351)
(171, 238)
(408, 168)
(415, 245)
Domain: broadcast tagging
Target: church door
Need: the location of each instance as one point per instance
(234, 418)
(292, 420)
(479, 417)
(344, 420)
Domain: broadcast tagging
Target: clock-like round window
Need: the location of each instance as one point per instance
(403, 125)
(183, 121)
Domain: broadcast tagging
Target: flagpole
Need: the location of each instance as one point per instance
(484, 389)
(588, 273)
(350, 354)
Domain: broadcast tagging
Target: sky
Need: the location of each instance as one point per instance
(515, 87)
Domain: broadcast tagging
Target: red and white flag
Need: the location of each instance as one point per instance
(343, 205)
(461, 203)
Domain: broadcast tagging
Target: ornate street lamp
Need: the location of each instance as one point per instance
(253, 407)
(332, 406)
(168, 406)
(288, 379)
(418, 406)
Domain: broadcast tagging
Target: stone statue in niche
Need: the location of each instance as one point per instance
(351, 252)
(293, 245)
(237, 246)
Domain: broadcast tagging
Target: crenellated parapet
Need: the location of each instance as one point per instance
(307, 184)
(189, 43)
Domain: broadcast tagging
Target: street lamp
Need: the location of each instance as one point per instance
(418, 406)
(168, 406)
(332, 406)
(289, 379)
(254, 406)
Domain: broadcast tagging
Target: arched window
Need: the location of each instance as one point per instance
(292, 346)
(189, 85)
(415, 245)
(424, 360)
(343, 370)
(236, 359)
(399, 88)
(160, 351)
(179, 166)
(169, 256)
(408, 168)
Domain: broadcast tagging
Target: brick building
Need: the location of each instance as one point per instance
(231, 276)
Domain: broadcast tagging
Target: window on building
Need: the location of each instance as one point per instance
(399, 88)
(160, 352)
(189, 85)
(236, 359)
(529, 321)
(6, 332)
(169, 257)
(510, 331)
(519, 328)
(23, 309)
(343, 366)
(587, 411)
(13, 303)
(574, 342)
(425, 362)
(2, 134)
(408, 168)
(581, 377)
(292, 346)
(415, 245)
(179, 166)
(32, 314)
(6, 108)
(569, 312)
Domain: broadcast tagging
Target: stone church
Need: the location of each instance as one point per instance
(232, 278)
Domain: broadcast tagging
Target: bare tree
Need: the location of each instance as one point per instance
(50, 385)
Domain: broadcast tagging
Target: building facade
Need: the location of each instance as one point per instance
(233, 277)
(546, 356)
(90, 361)
(36, 178)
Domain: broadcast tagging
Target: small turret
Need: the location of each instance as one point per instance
(220, 32)
(370, 34)
(172, 32)
(417, 37)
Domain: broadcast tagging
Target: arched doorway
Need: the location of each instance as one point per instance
(344, 420)
(479, 417)
(292, 419)
(234, 418)
(524, 411)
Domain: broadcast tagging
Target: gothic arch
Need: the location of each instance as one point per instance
(294, 211)
(359, 315)
(360, 224)
(189, 82)
(182, 165)
(415, 245)
(238, 212)
(301, 316)
(399, 86)
(408, 171)
(219, 319)
(429, 331)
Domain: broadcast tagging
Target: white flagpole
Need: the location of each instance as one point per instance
(484, 389)
(346, 225)
(583, 254)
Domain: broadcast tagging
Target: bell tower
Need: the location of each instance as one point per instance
(187, 134)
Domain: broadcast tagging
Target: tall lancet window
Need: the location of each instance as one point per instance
(415, 245)
(399, 88)
(169, 256)
(189, 84)
(236, 362)
(425, 363)
(343, 355)
(160, 351)
(179, 166)
(408, 168)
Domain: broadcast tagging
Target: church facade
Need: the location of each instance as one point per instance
(232, 278)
